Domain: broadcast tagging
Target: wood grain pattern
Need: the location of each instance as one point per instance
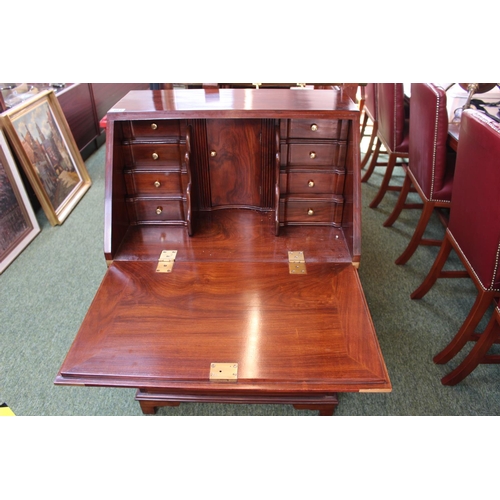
(285, 332)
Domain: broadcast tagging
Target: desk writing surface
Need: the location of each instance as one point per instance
(304, 333)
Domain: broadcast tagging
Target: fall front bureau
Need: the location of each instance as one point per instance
(232, 237)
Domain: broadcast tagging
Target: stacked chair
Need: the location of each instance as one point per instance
(473, 232)
(431, 164)
(369, 110)
(392, 133)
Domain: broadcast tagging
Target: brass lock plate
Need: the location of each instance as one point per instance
(296, 263)
(166, 261)
(224, 372)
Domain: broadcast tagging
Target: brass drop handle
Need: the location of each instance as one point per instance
(310, 184)
(157, 184)
(159, 210)
(154, 126)
(314, 127)
(213, 153)
(312, 155)
(310, 212)
(155, 156)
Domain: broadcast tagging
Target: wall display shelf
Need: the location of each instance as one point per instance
(232, 237)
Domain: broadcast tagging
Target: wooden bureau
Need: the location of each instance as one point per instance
(232, 237)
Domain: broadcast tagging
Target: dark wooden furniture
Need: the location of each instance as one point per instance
(232, 235)
(85, 104)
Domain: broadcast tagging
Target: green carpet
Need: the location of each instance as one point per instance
(46, 291)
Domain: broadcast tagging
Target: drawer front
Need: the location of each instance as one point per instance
(152, 155)
(313, 129)
(152, 130)
(155, 183)
(155, 211)
(304, 211)
(311, 154)
(312, 182)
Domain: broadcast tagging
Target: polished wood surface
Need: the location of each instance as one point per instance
(230, 298)
(232, 182)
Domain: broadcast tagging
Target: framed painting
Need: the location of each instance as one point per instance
(18, 224)
(48, 153)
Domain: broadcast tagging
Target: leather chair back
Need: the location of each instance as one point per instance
(475, 207)
(393, 126)
(430, 163)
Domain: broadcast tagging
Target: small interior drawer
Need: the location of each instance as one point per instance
(312, 154)
(152, 155)
(155, 211)
(311, 211)
(152, 129)
(155, 183)
(312, 182)
(312, 129)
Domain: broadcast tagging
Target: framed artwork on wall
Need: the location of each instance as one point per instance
(46, 149)
(18, 224)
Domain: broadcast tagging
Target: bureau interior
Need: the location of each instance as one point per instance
(184, 179)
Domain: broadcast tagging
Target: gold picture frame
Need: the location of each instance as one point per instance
(18, 223)
(47, 151)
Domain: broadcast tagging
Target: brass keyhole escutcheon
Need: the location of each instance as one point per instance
(159, 210)
(155, 156)
(157, 184)
(154, 126)
(312, 155)
(310, 212)
(213, 153)
(310, 184)
(314, 127)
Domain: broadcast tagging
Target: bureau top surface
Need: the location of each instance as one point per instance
(233, 103)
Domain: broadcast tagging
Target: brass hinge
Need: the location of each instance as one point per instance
(296, 263)
(166, 261)
(224, 372)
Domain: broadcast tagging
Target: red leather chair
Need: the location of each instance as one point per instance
(473, 230)
(393, 133)
(369, 114)
(431, 166)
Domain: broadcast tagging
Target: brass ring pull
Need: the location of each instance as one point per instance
(157, 184)
(310, 184)
(159, 210)
(314, 127)
(213, 153)
(154, 126)
(312, 155)
(155, 156)
(310, 212)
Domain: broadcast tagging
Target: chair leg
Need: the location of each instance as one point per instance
(363, 125)
(373, 163)
(481, 304)
(400, 204)
(416, 239)
(478, 352)
(369, 150)
(385, 181)
(435, 270)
